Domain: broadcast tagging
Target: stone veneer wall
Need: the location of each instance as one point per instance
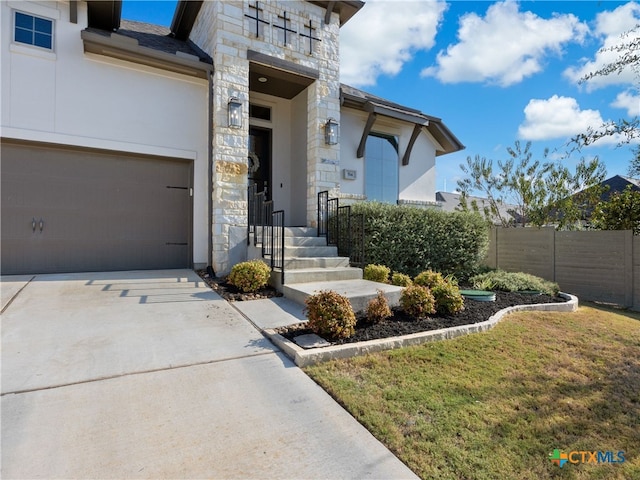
(224, 32)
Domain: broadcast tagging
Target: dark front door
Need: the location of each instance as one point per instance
(260, 159)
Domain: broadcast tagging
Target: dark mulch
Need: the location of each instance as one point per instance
(399, 323)
(231, 293)
(402, 324)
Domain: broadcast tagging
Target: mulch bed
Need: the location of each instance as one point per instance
(399, 323)
(402, 324)
(233, 294)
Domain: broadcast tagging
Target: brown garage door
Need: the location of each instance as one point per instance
(67, 210)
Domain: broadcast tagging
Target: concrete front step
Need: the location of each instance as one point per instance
(305, 241)
(301, 232)
(319, 274)
(323, 251)
(293, 263)
(359, 292)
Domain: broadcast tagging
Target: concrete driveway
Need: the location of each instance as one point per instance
(153, 375)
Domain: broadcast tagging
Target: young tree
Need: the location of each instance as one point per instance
(620, 212)
(628, 130)
(541, 193)
(634, 167)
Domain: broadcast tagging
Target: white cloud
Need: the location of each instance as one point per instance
(610, 26)
(385, 35)
(628, 101)
(559, 117)
(505, 46)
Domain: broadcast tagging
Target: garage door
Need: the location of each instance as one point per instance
(67, 210)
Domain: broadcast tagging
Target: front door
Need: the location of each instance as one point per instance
(259, 170)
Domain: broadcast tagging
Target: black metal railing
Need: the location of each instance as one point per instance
(323, 214)
(341, 228)
(266, 228)
(277, 243)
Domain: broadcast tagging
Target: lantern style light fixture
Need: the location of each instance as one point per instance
(235, 113)
(331, 132)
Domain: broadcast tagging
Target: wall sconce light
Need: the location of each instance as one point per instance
(235, 113)
(331, 132)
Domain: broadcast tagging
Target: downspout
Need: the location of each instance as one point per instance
(210, 269)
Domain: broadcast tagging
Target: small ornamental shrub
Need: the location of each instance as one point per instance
(401, 280)
(250, 276)
(378, 309)
(513, 282)
(448, 298)
(417, 301)
(330, 315)
(429, 279)
(376, 273)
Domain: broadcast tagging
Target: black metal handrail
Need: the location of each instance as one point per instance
(277, 242)
(252, 191)
(323, 213)
(341, 228)
(267, 228)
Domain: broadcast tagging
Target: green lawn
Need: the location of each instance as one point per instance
(495, 405)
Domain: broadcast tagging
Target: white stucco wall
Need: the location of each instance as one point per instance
(416, 181)
(72, 98)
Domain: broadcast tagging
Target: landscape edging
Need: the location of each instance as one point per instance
(305, 357)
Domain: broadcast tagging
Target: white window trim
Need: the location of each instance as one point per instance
(35, 50)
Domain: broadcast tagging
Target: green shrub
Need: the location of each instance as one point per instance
(448, 298)
(250, 276)
(330, 315)
(429, 279)
(410, 240)
(417, 301)
(401, 280)
(378, 308)
(513, 282)
(376, 273)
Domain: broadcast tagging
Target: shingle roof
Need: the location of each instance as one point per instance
(156, 37)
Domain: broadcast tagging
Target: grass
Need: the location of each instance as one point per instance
(496, 404)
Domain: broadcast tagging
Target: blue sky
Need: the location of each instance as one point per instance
(495, 72)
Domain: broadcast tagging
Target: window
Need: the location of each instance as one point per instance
(33, 30)
(381, 168)
(257, 111)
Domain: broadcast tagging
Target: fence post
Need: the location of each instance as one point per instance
(495, 240)
(553, 254)
(628, 268)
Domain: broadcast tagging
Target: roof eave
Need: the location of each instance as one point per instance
(345, 9)
(127, 49)
(184, 17)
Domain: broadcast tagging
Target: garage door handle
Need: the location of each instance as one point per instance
(33, 224)
(41, 225)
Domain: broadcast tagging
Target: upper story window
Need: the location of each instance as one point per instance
(32, 30)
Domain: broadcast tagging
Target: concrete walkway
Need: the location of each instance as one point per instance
(153, 375)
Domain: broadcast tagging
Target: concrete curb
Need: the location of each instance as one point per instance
(303, 358)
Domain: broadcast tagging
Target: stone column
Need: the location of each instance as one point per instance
(230, 150)
(323, 97)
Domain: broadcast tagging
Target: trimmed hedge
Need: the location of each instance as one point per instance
(411, 240)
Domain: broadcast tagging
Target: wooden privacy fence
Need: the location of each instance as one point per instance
(601, 266)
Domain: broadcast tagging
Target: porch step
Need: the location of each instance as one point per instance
(294, 263)
(321, 274)
(300, 232)
(358, 291)
(305, 241)
(313, 251)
